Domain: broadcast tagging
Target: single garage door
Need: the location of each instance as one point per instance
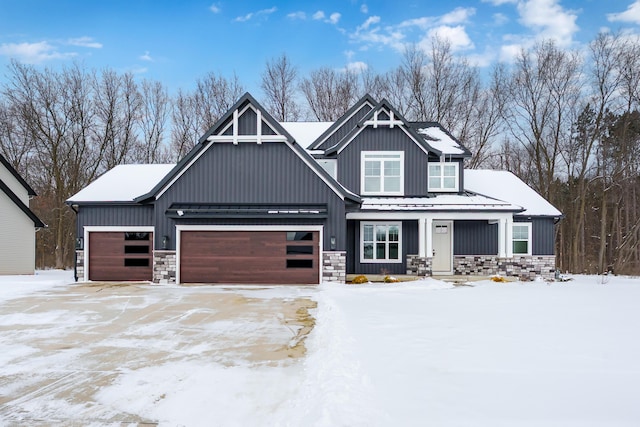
(269, 257)
(120, 256)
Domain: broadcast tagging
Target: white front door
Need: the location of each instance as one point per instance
(442, 232)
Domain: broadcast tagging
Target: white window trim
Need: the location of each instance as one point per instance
(529, 226)
(441, 189)
(381, 261)
(362, 173)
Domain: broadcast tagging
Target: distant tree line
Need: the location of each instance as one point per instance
(565, 121)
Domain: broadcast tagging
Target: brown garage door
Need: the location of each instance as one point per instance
(120, 256)
(271, 257)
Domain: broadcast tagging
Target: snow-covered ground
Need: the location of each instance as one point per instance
(409, 354)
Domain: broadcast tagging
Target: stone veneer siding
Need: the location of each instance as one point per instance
(164, 267)
(80, 265)
(334, 266)
(418, 266)
(524, 267)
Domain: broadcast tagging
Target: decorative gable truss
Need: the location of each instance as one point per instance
(247, 124)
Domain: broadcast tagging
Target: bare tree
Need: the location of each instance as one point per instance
(153, 120)
(280, 84)
(330, 93)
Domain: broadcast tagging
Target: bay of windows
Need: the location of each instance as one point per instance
(382, 173)
(380, 242)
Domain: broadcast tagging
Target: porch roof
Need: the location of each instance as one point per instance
(442, 202)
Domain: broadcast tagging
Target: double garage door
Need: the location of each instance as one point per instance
(270, 257)
(252, 257)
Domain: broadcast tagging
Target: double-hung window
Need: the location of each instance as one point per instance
(382, 173)
(443, 176)
(521, 238)
(380, 242)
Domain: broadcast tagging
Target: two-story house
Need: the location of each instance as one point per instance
(257, 201)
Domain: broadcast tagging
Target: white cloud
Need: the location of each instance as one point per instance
(456, 36)
(370, 21)
(318, 15)
(334, 18)
(349, 54)
(215, 8)
(356, 67)
(457, 16)
(85, 42)
(33, 53)
(549, 19)
(632, 14)
(364, 8)
(509, 52)
(297, 15)
(146, 56)
(251, 15)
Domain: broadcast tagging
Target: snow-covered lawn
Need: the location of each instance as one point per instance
(410, 354)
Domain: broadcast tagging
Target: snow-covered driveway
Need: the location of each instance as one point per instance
(96, 355)
(411, 354)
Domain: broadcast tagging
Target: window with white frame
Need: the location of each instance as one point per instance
(382, 173)
(380, 242)
(443, 176)
(521, 238)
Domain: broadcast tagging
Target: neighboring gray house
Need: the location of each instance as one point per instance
(18, 224)
(257, 201)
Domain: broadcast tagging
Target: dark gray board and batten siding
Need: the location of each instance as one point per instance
(268, 173)
(409, 246)
(346, 127)
(113, 215)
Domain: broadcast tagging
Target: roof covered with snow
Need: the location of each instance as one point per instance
(504, 185)
(448, 202)
(439, 139)
(305, 132)
(123, 183)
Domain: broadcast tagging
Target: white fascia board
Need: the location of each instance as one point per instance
(400, 126)
(343, 123)
(111, 229)
(183, 170)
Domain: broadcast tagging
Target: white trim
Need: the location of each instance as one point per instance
(196, 227)
(379, 156)
(247, 138)
(441, 189)
(422, 237)
(320, 142)
(444, 215)
(111, 229)
(386, 260)
(334, 162)
(404, 129)
(529, 226)
(184, 169)
(259, 126)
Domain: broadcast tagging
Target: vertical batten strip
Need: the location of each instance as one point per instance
(235, 127)
(259, 126)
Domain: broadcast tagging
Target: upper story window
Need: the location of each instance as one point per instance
(382, 173)
(443, 176)
(521, 238)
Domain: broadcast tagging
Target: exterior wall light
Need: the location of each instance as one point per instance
(165, 242)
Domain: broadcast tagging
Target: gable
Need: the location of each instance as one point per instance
(345, 124)
(247, 123)
(12, 198)
(14, 181)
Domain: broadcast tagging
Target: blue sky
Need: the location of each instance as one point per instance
(177, 42)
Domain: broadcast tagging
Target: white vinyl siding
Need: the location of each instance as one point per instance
(18, 248)
(443, 176)
(380, 242)
(382, 173)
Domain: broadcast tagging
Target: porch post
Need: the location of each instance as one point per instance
(509, 233)
(502, 237)
(429, 243)
(422, 237)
